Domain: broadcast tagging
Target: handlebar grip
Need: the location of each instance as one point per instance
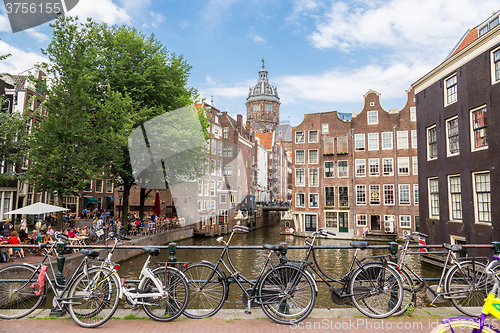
(61, 235)
(416, 233)
(126, 238)
(321, 230)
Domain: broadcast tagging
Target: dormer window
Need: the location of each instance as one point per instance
(488, 26)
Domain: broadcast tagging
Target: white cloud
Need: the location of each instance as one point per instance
(5, 24)
(258, 39)
(156, 19)
(101, 11)
(40, 37)
(19, 60)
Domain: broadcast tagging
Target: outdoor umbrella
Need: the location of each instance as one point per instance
(157, 209)
(37, 208)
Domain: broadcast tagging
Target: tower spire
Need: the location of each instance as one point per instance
(262, 63)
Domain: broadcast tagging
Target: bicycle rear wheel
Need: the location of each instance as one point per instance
(93, 297)
(207, 290)
(170, 306)
(463, 325)
(288, 294)
(376, 289)
(17, 291)
(467, 286)
(409, 295)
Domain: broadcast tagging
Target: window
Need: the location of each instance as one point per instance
(360, 220)
(361, 194)
(482, 198)
(300, 199)
(299, 137)
(360, 168)
(359, 142)
(455, 197)
(388, 194)
(219, 148)
(313, 200)
(414, 160)
(87, 185)
(451, 90)
(219, 168)
(313, 177)
(404, 194)
(386, 140)
(328, 146)
(330, 196)
(452, 137)
(200, 187)
(479, 129)
(331, 219)
(415, 194)
(343, 171)
(227, 152)
(405, 221)
(329, 169)
(372, 141)
(300, 179)
(343, 196)
(213, 166)
(413, 113)
(342, 145)
(324, 128)
(270, 176)
(207, 187)
(372, 117)
(373, 167)
(402, 137)
(213, 151)
(98, 185)
(225, 132)
(227, 170)
(212, 188)
(414, 139)
(109, 186)
(431, 143)
(300, 157)
(403, 166)
(387, 165)
(374, 194)
(313, 156)
(433, 197)
(496, 66)
(310, 222)
(313, 136)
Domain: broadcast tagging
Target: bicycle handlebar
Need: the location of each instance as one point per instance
(322, 231)
(416, 233)
(61, 235)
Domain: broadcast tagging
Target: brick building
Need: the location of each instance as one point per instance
(458, 107)
(357, 173)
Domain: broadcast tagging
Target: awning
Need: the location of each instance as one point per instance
(88, 200)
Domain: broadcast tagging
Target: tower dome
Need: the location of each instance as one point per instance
(263, 103)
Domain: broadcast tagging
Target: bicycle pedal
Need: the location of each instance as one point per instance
(135, 307)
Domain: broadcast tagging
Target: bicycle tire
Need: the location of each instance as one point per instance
(170, 306)
(207, 301)
(290, 294)
(99, 292)
(409, 294)
(472, 278)
(17, 297)
(462, 325)
(376, 289)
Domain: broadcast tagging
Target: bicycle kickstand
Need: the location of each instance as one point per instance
(248, 310)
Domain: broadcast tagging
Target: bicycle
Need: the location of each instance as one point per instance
(285, 292)
(465, 283)
(162, 292)
(491, 306)
(98, 235)
(23, 287)
(374, 287)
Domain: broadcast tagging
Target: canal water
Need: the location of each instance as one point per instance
(334, 262)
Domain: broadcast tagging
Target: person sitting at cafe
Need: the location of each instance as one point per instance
(71, 233)
(35, 238)
(23, 236)
(13, 239)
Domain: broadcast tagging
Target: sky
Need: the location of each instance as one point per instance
(321, 55)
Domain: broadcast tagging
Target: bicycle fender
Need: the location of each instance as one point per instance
(29, 265)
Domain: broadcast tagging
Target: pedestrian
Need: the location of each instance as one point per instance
(7, 227)
(24, 224)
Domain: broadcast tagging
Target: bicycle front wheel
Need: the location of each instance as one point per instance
(93, 297)
(409, 295)
(18, 291)
(207, 290)
(176, 298)
(463, 325)
(287, 294)
(376, 290)
(467, 286)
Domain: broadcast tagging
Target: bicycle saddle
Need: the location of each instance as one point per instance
(277, 247)
(153, 251)
(453, 248)
(90, 253)
(359, 245)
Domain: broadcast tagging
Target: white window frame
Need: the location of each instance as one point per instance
(452, 92)
(495, 72)
(359, 142)
(448, 142)
(298, 201)
(476, 201)
(313, 180)
(385, 188)
(309, 136)
(428, 143)
(413, 113)
(407, 223)
(372, 117)
(346, 169)
(374, 188)
(416, 199)
(373, 162)
(303, 183)
(433, 197)
(472, 130)
(403, 188)
(309, 160)
(452, 199)
(402, 139)
(359, 187)
(402, 161)
(414, 144)
(359, 220)
(360, 167)
(324, 128)
(303, 136)
(317, 200)
(414, 165)
(373, 143)
(390, 141)
(383, 166)
(332, 168)
(303, 161)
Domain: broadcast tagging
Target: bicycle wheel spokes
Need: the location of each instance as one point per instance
(463, 325)
(377, 290)
(175, 300)
(288, 295)
(18, 289)
(468, 286)
(93, 298)
(207, 290)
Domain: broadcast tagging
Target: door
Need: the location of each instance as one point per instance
(311, 222)
(375, 222)
(343, 222)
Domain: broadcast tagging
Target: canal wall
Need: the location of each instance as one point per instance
(72, 261)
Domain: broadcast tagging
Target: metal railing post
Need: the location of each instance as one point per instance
(172, 249)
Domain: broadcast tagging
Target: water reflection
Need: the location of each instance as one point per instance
(334, 262)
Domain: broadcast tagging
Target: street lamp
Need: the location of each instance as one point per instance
(120, 193)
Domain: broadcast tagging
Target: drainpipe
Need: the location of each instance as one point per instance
(351, 134)
(396, 191)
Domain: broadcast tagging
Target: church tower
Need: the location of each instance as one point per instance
(263, 104)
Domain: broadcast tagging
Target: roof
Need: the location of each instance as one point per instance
(284, 131)
(20, 81)
(468, 38)
(266, 140)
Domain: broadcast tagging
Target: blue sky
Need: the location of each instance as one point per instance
(322, 55)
